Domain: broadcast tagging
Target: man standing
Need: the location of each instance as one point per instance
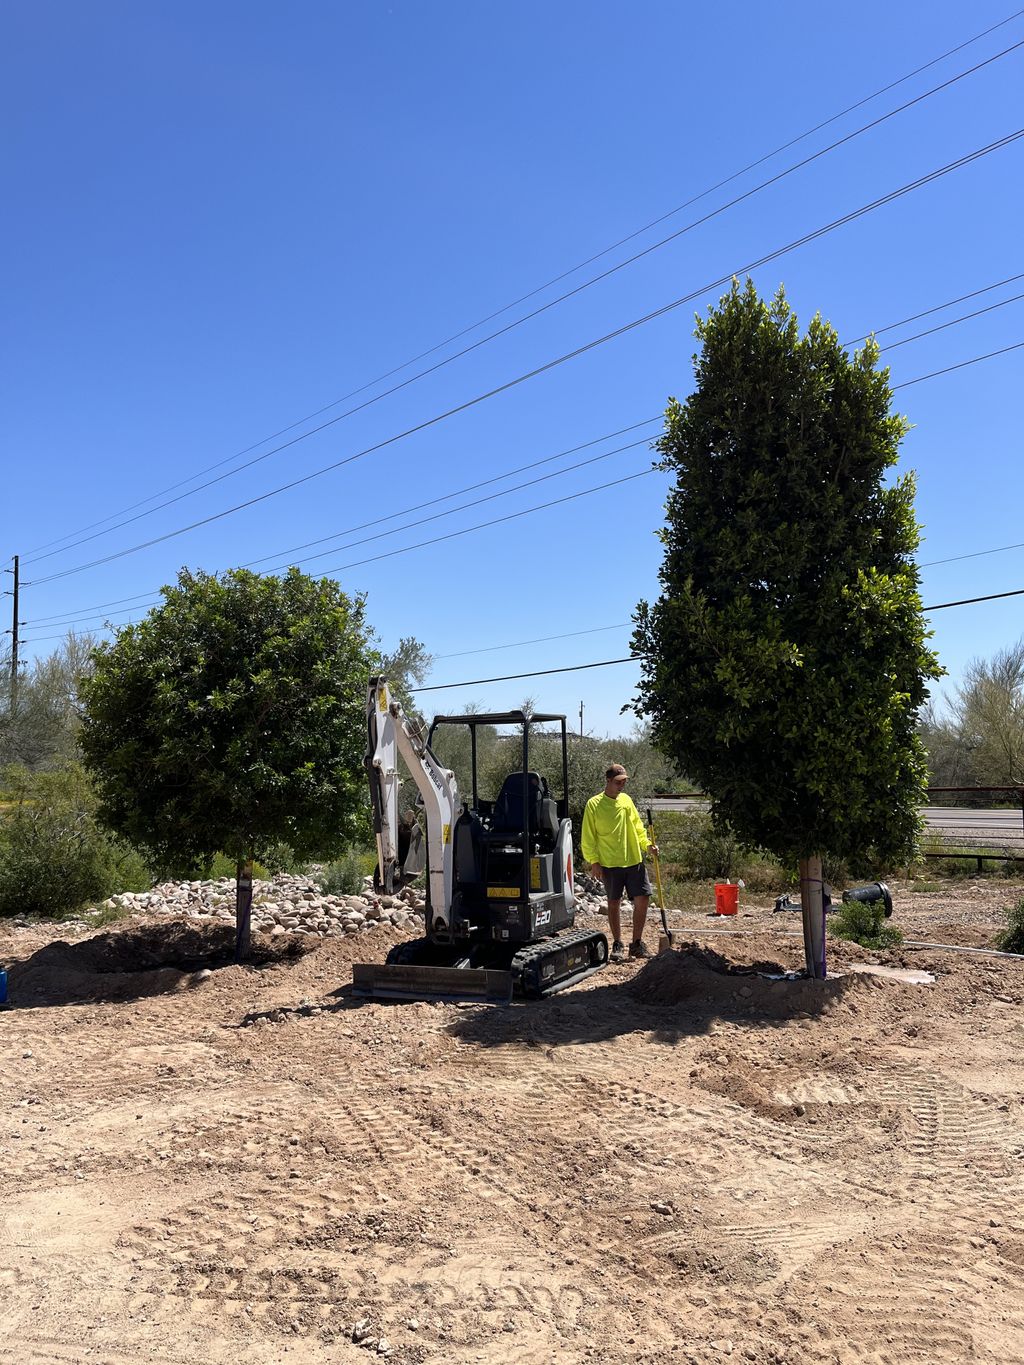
(614, 842)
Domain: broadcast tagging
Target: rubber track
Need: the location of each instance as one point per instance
(534, 953)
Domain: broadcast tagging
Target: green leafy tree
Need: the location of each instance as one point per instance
(232, 718)
(785, 662)
(39, 721)
(989, 717)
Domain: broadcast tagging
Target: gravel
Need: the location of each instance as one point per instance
(292, 904)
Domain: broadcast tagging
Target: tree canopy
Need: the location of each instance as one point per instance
(785, 661)
(232, 718)
(979, 738)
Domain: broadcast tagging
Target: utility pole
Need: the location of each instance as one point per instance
(581, 720)
(14, 636)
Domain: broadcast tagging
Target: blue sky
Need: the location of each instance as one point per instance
(220, 219)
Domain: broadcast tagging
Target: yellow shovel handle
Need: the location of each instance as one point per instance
(657, 868)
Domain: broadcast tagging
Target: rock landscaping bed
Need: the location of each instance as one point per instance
(284, 904)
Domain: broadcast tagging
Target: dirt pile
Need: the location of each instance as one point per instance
(701, 979)
(147, 959)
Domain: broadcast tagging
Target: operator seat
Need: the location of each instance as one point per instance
(541, 810)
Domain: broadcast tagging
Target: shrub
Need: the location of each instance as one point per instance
(1011, 940)
(693, 850)
(864, 923)
(221, 868)
(54, 857)
(343, 877)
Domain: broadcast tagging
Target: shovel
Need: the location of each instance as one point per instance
(665, 939)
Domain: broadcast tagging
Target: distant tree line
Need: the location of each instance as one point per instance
(975, 737)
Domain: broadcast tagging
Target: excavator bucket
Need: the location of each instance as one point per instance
(415, 981)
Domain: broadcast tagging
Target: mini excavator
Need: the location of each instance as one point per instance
(500, 904)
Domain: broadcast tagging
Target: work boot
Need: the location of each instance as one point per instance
(618, 951)
(639, 949)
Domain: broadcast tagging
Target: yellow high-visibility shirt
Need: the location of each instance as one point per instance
(613, 833)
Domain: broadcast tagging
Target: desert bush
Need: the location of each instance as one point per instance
(220, 868)
(1011, 940)
(864, 923)
(692, 849)
(54, 857)
(344, 876)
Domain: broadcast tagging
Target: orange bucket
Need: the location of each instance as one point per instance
(727, 899)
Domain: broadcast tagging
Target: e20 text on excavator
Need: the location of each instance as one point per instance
(500, 904)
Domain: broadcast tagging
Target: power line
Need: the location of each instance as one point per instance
(962, 365)
(539, 640)
(471, 488)
(467, 530)
(538, 673)
(975, 554)
(403, 550)
(890, 197)
(632, 658)
(969, 601)
(564, 275)
(96, 606)
(88, 613)
(915, 317)
(85, 614)
(496, 521)
(953, 322)
(636, 658)
(62, 618)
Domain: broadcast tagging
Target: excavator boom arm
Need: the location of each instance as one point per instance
(390, 734)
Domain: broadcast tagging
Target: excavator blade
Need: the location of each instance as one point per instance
(413, 981)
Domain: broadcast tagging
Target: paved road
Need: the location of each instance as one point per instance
(1000, 828)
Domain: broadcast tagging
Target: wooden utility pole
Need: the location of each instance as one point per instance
(581, 720)
(812, 903)
(14, 637)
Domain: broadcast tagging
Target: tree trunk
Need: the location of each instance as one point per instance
(812, 904)
(243, 909)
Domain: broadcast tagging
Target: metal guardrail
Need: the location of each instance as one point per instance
(989, 846)
(970, 833)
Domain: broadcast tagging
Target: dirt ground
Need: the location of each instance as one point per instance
(678, 1162)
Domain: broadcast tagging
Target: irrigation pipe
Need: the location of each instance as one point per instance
(907, 943)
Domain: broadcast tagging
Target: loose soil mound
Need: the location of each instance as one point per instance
(699, 978)
(147, 959)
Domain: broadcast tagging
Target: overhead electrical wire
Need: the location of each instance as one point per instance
(538, 640)
(636, 658)
(467, 530)
(564, 275)
(80, 619)
(469, 488)
(927, 312)
(62, 618)
(953, 322)
(931, 176)
(974, 554)
(948, 369)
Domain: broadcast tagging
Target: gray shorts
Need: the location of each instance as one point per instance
(633, 880)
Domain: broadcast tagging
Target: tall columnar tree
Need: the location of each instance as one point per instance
(785, 662)
(232, 718)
